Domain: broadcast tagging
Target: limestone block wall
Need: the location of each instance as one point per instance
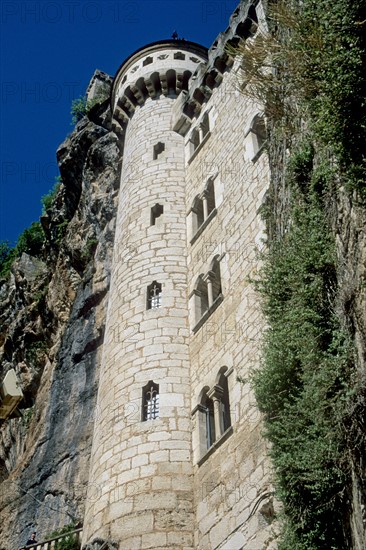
(232, 486)
(142, 469)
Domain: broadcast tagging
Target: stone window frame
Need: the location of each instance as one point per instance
(255, 138)
(208, 416)
(154, 301)
(199, 135)
(207, 294)
(203, 210)
(150, 409)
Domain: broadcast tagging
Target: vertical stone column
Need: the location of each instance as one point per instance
(141, 471)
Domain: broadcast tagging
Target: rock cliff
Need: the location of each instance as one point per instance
(52, 315)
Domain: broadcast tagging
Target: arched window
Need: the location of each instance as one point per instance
(195, 140)
(199, 133)
(202, 295)
(206, 295)
(247, 29)
(209, 196)
(202, 208)
(154, 294)
(225, 419)
(197, 214)
(150, 401)
(208, 409)
(214, 281)
(205, 125)
(255, 138)
(259, 131)
(211, 416)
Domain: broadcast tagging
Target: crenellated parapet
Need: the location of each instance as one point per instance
(244, 23)
(161, 68)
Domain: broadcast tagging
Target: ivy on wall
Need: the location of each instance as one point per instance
(305, 387)
(308, 71)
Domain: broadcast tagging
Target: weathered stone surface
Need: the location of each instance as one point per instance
(53, 315)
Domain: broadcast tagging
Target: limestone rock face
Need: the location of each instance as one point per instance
(52, 313)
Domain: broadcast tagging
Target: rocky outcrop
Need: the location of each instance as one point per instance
(52, 314)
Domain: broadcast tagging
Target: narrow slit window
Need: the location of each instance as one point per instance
(154, 295)
(209, 420)
(150, 401)
(205, 125)
(195, 140)
(215, 279)
(225, 418)
(156, 211)
(158, 150)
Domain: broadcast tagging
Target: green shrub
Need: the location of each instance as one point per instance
(304, 386)
(80, 107)
(89, 250)
(316, 58)
(35, 352)
(7, 256)
(70, 543)
(31, 240)
(47, 199)
(27, 416)
(40, 295)
(61, 231)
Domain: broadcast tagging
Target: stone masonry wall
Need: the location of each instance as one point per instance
(144, 469)
(233, 494)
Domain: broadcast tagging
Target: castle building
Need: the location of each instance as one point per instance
(178, 460)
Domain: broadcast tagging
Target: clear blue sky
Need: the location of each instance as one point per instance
(49, 51)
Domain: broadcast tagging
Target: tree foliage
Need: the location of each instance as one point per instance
(67, 543)
(48, 199)
(303, 386)
(308, 71)
(30, 241)
(81, 106)
(311, 65)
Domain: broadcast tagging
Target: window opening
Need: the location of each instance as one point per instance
(215, 279)
(195, 139)
(156, 212)
(205, 125)
(210, 420)
(225, 418)
(259, 129)
(154, 295)
(150, 401)
(158, 149)
(201, 292)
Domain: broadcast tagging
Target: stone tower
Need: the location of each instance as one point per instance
(140, 489)
(178, 460)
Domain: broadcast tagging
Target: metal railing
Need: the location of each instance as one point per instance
(51, 544)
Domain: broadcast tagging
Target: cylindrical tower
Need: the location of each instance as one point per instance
(140, 493)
